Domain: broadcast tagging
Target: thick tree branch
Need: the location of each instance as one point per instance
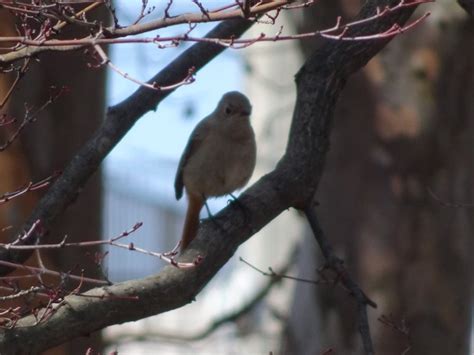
(467, 5)
(274, 279)
(292, 184)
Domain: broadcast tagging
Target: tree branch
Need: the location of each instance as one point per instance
(337, 265)
(468, 6)
(292, 184)
(28, 51)
(274, 279)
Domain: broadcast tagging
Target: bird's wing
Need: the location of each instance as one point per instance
(197, 136)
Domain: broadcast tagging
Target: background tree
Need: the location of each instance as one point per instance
(49, 143)
(402, 134)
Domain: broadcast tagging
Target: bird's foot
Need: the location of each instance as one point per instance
(242, 207)
(208, 210)
(212, 218)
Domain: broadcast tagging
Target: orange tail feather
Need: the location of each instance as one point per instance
(191, 223)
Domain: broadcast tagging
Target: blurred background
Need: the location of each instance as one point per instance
(402, 132)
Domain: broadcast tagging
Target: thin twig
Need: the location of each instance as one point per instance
(272, 273)
(336, 264)
(22, 293)
(31, 116)
(8, 196)
(167, 257)
(20, 74)
(189, 79)
(450, 204)
(36, 270)
(339, 32)
(113, 32)
(401, 328)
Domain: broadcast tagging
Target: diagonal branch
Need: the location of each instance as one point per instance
(468, 6)
(231, 317)
(337, 265)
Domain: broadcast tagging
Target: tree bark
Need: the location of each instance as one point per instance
(402, 128)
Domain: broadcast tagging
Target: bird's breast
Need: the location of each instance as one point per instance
(221, 165)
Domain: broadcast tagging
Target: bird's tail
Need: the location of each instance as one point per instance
(191, 223)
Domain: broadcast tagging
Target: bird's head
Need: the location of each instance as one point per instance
(234, 104)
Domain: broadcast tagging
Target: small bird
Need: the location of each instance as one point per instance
(219, 158)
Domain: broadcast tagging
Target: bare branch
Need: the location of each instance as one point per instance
(8, 196)
(114, 32)
(167, 257)
(203, 10)
(32, 115)
(468, 6)
(234, 316)
(143, 12)
(20, 73)
(41, 271)
(339, 32)
(167, 8)
(189, 79)
(400, 327)
(449, 204)
(280, 274)
(336, 264)
(22, 293)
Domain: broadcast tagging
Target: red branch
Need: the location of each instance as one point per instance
(8, 196)
(189, 79)
(5, 120)
(167, 257)
(32, 115)
(44, 271)
(337, 32)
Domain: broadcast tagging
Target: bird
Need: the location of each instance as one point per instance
(219, 158)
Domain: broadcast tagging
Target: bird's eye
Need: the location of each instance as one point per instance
(228, 110)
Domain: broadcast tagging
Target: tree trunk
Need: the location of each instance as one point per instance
(50, 142)
(403, 128)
